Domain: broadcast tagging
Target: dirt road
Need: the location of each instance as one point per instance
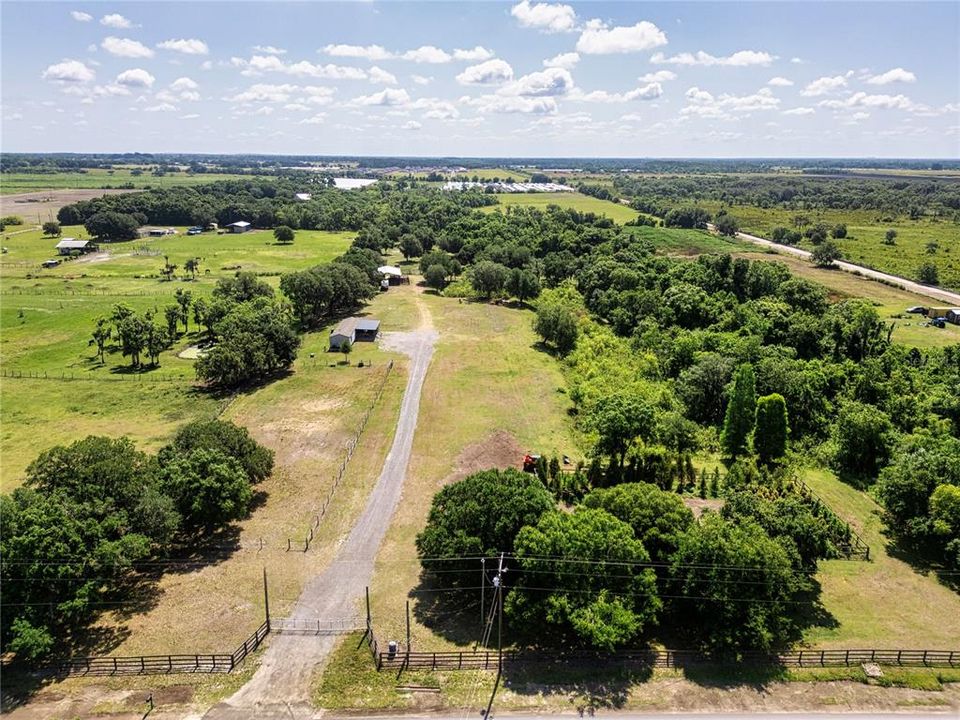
(281, 686)
(945, 296)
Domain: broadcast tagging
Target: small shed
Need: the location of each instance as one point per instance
(302, 197)
(937, 312)
(156, 232)
(391, 273)
(354, 329)
(240, 226)
(68, 246)
(953, 316)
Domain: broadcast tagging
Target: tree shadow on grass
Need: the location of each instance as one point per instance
(924, 558)
(454, 616)
(589, 685)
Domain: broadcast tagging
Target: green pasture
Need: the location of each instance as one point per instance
(101, 178)
(256, 251)
(865, 234)
(886, 602)
(582, 203)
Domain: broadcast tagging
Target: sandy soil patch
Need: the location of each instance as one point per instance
(498, 450)
(700, 505)
(47, 202)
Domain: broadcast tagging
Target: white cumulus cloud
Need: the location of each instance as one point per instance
(421, 79)
(659, 76)
(81, 16)
(779, 82)
(411, 125)
(824, 85)
(381, 76)
(264, 92)
(491, 72)
(427, 54)
(366, 52)
(69, 71)
(702, 103)
(799, 111)
(115, 20)
(162, 107)
(190, 46)
(385, 98)
(741, 58)
(512, 105)
(475, 54)
(260, 64)
(125, 47)
(137, 77)
(546, 17)
(269, 50)
(862, 99)
(650, 91)
(183, 83)
(599, 39)
(567, 61)
(551, 82)
(893, 76)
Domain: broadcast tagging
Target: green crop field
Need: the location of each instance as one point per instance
(583, 203)
(864, 242)
(97, 178)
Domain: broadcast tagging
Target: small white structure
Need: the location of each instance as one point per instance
(68, 246)
(302, 197)
(351, 329)
(352, 183)
(240, 226)
(156, 232)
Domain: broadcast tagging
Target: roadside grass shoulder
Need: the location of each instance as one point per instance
(866, 230)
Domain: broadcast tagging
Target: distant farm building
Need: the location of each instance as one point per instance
(391, 274)
(240, 226)
(69, 246)
(353, 329)
(302, 197)
(507, 187)
(156, 232)
(938, 312)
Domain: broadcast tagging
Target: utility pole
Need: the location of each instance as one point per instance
(498, 598)
(483, 585)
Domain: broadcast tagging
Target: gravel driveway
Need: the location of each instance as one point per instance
(281, 685)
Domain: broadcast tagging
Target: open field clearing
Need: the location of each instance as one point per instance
(674, 241)
(38, 207)
(884, 603)
(865, 235)
(490, 396)
(256, 251)
(101, 178)
(891, 302)
(576, 201)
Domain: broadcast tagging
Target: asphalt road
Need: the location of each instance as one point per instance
(945, 296)
(281, 685)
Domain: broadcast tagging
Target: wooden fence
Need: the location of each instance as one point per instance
(320, 511)
(69, 377)
(856, 549)
(164, 664)
(488, 660)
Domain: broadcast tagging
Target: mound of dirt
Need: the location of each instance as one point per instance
(498, 450)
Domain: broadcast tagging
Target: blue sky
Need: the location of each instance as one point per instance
(678, 79)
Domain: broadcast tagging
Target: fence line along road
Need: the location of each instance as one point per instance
(488, 660)
(205, 663)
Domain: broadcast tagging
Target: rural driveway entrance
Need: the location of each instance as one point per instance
(281, 685)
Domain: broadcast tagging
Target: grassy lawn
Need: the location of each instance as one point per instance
(891, 302)
(865, 233)
(674, 241)
(582, 203)
(98, 178)
(220, 255)
(489, 396)
(884, 603)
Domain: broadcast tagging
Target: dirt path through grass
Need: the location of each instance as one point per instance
(281, 686)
